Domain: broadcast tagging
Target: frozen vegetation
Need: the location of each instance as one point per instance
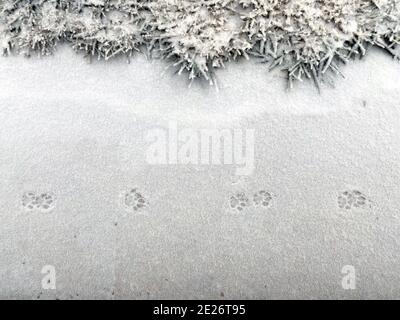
(307, 38)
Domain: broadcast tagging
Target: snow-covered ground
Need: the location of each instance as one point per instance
(76, 132)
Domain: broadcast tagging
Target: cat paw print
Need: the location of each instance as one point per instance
(239, 201)
(353, 199)
(43, 202)
(262, 198)
(133, 200)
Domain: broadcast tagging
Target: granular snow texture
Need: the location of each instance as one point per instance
(307, 38)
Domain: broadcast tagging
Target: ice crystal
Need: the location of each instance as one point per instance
(306, 38)
(311, 37)
(100, 28)
(198, 36)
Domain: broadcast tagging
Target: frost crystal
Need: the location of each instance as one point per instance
(307, 38)
(197, 36)
(100, 28)
(310, 37)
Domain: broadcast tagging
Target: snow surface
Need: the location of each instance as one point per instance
(76, 130)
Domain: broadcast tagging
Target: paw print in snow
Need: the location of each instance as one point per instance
(351, 199)
(239, 201)
(43, 202)
(133, 200)
(262, 198)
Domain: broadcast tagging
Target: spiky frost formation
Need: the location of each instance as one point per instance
(198, 36)
(102, 28)
(31, 25)
(308, 38)
(107, 28)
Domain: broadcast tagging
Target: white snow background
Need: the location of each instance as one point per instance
(76, 129)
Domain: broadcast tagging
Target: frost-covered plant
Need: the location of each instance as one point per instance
(102, 28)
(31, 25)
(198, 36)
(310, 37)
(307, 38)
(106, 28)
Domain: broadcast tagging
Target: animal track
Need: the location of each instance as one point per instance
(351, 199)
(262, 198)
(134, 201)
(241, 201)
(43, 202)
